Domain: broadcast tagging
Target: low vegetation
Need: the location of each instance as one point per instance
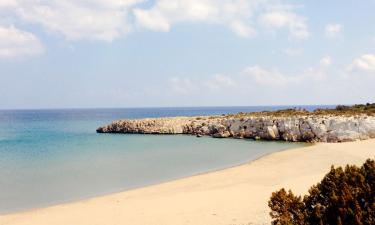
(344, 196)
(368, 109)
(359, 109)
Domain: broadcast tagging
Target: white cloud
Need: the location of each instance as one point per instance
(280, 18)
(78, 19)
(152, 20)
(219, 81)
(107, 20)
(333, 30)
(364, 63)
(166, 13)
(269, 77)
(242, 29)
(183, 86)
(18, 43)
(326, 61)
(237, 15)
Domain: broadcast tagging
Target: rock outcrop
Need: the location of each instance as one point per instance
(312, 128)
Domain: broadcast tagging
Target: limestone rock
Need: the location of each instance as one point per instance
(313, 128)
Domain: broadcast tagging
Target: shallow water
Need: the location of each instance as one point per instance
(55, 156)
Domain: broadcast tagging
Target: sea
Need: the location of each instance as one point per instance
(50, 157)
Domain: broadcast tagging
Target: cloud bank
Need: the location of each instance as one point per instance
(107, 20)
(242, 17)
(256, 84)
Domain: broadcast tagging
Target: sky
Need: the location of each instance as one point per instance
(169, 53)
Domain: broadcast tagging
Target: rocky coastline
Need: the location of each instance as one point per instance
(294, 128)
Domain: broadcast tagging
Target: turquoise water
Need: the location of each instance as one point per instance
(55, 156)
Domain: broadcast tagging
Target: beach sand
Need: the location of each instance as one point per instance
(234, 196)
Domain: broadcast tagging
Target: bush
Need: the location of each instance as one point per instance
(340, 110)
(342, 197)
(342, 107)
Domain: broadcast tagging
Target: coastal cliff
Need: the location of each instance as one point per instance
(301, 127)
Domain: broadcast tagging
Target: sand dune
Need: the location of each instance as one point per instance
(234, 196)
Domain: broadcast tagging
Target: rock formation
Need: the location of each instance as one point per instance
(311, 128)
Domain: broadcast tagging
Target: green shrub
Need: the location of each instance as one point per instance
(344, 196)
(340, 110)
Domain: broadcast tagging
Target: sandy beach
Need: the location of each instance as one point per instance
(234, 196)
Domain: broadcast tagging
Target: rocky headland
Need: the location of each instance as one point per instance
(289, 125)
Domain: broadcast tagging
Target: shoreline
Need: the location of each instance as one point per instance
(236, 195)
(165, 181)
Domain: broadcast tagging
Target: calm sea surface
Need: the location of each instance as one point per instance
(55, 156)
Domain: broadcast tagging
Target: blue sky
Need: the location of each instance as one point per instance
(139, 53)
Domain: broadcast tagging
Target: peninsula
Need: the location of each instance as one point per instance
(341, 124)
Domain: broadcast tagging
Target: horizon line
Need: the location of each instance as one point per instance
(169, 107)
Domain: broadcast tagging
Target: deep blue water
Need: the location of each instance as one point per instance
(54, 156)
